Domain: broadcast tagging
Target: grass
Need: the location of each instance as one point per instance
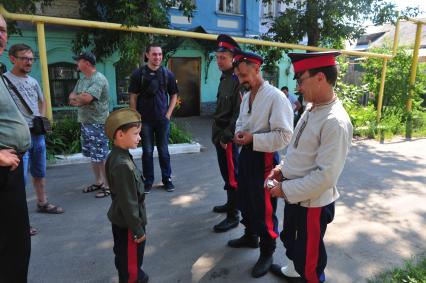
(414, 271)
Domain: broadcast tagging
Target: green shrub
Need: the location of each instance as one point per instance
(414, 271)
(65, 137)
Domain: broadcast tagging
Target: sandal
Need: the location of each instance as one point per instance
(104, 193)
(33, 231)
(92, 188)
(49, 208)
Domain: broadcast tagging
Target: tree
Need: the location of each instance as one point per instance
(128, 13)
(21, 6)
(327, 23)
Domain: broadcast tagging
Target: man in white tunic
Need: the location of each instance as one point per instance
(263, 127)
(307, 176)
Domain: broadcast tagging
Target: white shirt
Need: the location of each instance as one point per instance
(316, 155)
(270, 120)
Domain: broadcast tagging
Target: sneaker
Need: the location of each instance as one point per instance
(148, 189)
(169, 186)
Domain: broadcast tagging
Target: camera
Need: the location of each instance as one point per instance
(270, 184)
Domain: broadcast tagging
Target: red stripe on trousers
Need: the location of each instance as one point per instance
(231, 167)
(268, 205)
(132, 258)
(313, 231)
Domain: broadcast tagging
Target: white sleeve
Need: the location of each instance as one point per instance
(330, 161)
(281, 127)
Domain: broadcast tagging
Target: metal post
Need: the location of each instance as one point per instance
(395, 38)
(381, 90)
(43, 64)
(413, 80)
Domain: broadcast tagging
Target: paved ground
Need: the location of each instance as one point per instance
(379, 222)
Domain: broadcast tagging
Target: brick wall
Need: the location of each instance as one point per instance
(61, 8)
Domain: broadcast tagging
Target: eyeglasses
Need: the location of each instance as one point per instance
(26, 59)
(300, 81)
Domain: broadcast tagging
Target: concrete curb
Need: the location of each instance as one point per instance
(136, 153)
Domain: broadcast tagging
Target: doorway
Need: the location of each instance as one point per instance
(187, 71)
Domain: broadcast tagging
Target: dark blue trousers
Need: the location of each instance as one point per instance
(302, 235)
(156, 133)
(128, 255)
(228, 165)
(15, 243)
(255, 202)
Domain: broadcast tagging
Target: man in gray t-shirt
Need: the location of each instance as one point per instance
(90, 95)
(22, 58)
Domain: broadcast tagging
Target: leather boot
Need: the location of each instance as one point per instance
(232, 218)
(223, 208)
(262, 265)
(245, 241)
(231, 221)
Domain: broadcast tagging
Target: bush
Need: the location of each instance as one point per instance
(414, 271)
(65, 137)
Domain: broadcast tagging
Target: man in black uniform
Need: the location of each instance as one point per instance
(227, 110)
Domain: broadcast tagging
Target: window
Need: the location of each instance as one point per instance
(269, 9)
(178, 2)
(229, 6)
(272, 75)
(62, 78)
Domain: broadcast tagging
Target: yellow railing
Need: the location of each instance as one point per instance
(41, 20)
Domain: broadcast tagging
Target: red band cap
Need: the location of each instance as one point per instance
(226, 45)
(241, 57)
(313, 63)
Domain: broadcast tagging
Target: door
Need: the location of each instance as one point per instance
(188, 75)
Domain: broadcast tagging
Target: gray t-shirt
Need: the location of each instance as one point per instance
(96, 111)
(30, 91)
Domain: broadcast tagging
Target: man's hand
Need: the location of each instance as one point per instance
(223, 145)
(140, 240)
(276, 174)
(73, 99)
(277, 191)
(8, 158)
(243, 138)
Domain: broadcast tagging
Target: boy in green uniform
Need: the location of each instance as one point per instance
(127, 212)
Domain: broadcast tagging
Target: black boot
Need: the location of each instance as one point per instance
(262, 265)
(221, 208)
(232, 218)
(245, 241)
(231, 221)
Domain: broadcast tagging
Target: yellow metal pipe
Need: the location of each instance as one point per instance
(44, 71)
(396, 38)
(414, 65)
(115, 26)
(381, 91)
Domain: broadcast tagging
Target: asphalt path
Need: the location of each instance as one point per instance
(380, 220)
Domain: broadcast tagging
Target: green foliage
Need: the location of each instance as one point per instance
(128, 13)
(414, 271)
(178, 135)
(65, 137)
(394, 115)
(21, 6)
(328, 23)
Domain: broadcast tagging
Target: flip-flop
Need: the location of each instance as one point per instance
(92, 188)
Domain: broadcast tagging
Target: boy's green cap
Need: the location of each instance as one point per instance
(119, 118)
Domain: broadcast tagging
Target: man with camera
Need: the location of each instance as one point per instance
(153, 93)
(27, 94)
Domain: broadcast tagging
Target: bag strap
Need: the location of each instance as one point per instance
(17, 93)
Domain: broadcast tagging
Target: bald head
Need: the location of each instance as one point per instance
(3, 34)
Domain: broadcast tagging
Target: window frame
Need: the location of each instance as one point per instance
(223, 9)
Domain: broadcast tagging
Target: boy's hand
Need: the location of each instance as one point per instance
(140, 240)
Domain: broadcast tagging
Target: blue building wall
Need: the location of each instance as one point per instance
(207, 15)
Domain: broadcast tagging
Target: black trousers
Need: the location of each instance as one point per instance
(257, 205)
(302, 235)
(228, 165)
(15, 242)
(128, 255)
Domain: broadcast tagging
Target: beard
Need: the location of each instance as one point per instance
(245, 87)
